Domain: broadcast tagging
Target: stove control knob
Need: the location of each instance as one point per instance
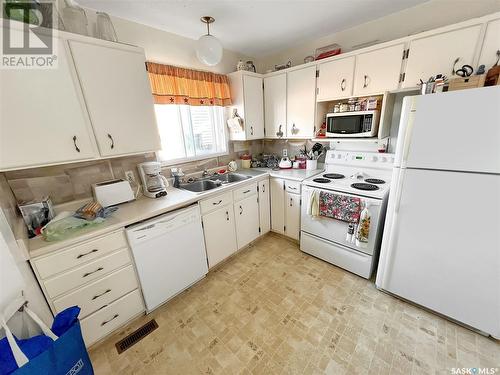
(374, 158)
(339, 156)
(384, 159)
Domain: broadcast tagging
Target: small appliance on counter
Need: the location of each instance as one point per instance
(285, 162)
(112, 192)
(154, 184)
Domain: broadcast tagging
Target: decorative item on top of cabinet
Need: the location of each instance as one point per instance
(378, 70)
(56, 106)
(247, 94)
(301, 102)
(123, 123)
(440, 54)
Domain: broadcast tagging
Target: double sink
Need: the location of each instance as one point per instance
(213, 182)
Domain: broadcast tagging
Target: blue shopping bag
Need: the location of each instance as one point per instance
(61, 355)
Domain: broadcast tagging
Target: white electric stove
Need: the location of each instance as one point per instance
(363, 175)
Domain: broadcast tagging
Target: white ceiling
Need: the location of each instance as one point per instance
(255, 28)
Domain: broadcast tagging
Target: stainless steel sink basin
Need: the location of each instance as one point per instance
(230, 177)
(199, 186)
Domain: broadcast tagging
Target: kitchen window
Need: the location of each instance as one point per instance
(190, 132)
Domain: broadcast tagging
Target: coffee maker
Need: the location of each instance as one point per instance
(154, 184)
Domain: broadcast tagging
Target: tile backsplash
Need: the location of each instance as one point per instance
(69, 182)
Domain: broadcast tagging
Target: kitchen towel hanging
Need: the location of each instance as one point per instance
(174, 85)
(313, 205)
(363, 229)
(340, 207)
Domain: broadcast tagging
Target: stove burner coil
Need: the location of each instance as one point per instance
(364, 186)
(321, 180)
(375, 181)
(333, 176)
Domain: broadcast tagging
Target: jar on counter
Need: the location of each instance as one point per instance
(357, 106)
(344, 107)
(352, 104)
(336, 108)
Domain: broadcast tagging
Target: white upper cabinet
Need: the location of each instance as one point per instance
(301, 102)
(43, 119)
(437, 53)
(378, 71)
(275, 105)
(491, 44)
(247, 95)
(118, 96)
(335, 79)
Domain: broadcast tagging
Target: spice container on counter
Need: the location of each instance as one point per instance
(344, 107)
(336, 108)
(357, 106)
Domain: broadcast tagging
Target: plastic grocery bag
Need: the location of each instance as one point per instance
(47, 354)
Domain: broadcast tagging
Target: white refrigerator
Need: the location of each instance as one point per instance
(441, 242)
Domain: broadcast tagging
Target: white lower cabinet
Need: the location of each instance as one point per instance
(246, 212)
(233, 219)
(292, 215)
(264, 206)
(285, 207)
(96, 277)
(110, 317)
(277, 205)
(220, 234)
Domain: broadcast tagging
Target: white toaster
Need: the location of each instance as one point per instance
(113, 192)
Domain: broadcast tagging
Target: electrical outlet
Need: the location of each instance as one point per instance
(129, 175)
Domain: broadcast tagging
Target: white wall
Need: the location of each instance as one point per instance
(426, 16)
(164, 47)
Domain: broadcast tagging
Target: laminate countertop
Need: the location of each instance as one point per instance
(145, 208)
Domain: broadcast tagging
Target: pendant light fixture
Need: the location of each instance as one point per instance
(209, 48)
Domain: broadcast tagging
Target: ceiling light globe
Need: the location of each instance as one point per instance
(209, 50)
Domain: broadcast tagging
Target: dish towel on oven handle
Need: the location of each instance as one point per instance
(363, 229)
(313, 205)
(340, 207)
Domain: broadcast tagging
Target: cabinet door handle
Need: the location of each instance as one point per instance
(112, 141)
(263, 188)
(342, 84)
(295, 130)
(90, 273)
(76, 146)
(453, 71)
(251, 130)
(109, 320)
(100, 295)
(291, 202)
(217, 203)
(246, 191)
(84, 254)
(365, 82)
(241, 210)
(292, 188)
(227, 215)
(279, 133)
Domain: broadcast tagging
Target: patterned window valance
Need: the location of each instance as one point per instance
(174, 85)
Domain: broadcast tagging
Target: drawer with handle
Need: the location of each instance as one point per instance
(79, 254)
(210, 204)
(292, 186)
(245, 191)
(59, 284)
(100, 293)
(107, 319)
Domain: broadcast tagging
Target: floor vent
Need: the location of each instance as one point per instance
(136, 336)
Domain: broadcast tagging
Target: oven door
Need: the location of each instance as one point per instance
(336, 230)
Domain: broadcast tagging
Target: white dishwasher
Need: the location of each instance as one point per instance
(169, 253)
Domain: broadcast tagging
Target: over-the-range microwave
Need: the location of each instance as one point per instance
(352, 124)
